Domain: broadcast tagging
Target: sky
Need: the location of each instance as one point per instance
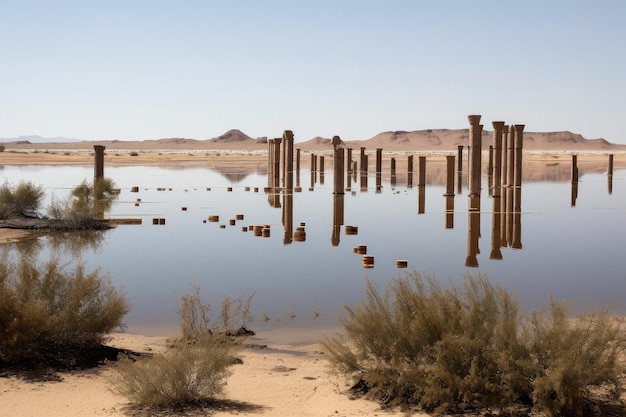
(150, 69)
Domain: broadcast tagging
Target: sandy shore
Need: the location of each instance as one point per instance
(282, 380)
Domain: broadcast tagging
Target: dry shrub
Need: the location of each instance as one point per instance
(85, 206)
(195, 367)
(23, 199)
(45, 309)
(571, 357)
(196, 317)
(186, 373)
(464, 348)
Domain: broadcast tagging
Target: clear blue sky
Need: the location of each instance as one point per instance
(149, 69)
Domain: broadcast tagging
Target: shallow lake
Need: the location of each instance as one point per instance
(558, 247)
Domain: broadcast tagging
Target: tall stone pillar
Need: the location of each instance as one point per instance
(519, 145)
(410, 171)
(505, 152)
(338, 169)
(288, 147)
(98, 161)
(475, 147)
(421, 178)
(449, 175)
(610, 174)
(298, 159)
(277, 160)
(349, 161)
(511, 156)
(363, 165)
(498, 129)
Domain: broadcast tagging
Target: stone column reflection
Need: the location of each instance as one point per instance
(338, 213)
(473, 235)
(496, 253)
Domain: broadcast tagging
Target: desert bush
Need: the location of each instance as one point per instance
(2, 148)
(45, 309)
(463, 348)
(571, 356)
(195, 367)
(23, 199)
(86, 204)
(186, 373)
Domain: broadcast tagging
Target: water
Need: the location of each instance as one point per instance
(572, 252)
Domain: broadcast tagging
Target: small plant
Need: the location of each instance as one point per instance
(46, 310)
(461, 349)
(2, 148)
(134, 153)
(194, 369)
(187, 373)
(22, 200)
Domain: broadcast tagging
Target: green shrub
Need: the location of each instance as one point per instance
(23, 199)
(194, 369)
(45, 309)
(464, 348)
(2, 148)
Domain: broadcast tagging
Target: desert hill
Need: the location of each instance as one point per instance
(418, 140)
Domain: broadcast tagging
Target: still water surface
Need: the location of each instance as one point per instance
(573, 252)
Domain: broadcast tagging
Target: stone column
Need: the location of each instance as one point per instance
(298, 159)
(379, 169)
(475, 148)
(449, 175)
(511, 156)
(338, 170)
(498, 128)
(363, 165)
(288, 141)
(610, 174)
(410, 171)
(98, 161)
(393, 172)
(349, 161)
(519, 145)
(505, 150)
(421, 178)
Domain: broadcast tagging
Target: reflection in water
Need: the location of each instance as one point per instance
(506, 225)
(338, 210)
(473, 231)
(154, 264)
(495, 253)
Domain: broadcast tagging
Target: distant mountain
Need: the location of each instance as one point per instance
(38, 139)
(450, 139)
(418, 140)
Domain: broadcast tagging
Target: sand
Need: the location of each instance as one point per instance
(282, 380)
